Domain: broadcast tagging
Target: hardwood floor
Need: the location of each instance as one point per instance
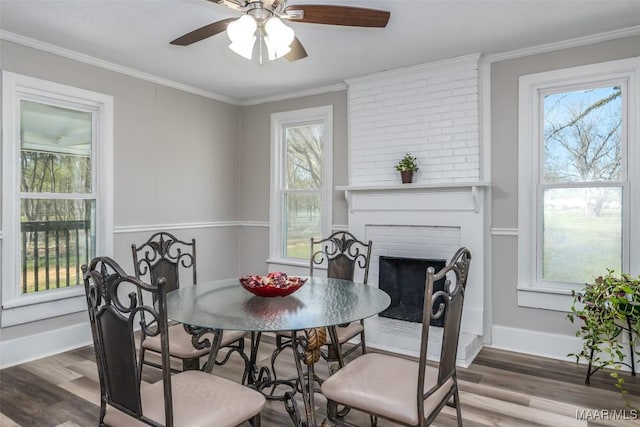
(499, 389)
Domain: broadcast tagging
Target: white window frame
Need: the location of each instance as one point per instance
(16, 307)
(279, 121)
(533, 292)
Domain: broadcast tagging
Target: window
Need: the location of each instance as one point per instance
(577, 194)
(301, 181)
(56, 195)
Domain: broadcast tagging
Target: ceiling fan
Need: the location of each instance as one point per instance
(264, 18)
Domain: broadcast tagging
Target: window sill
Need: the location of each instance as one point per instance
(298, 267)
(551, 298)
(19, 311)
(289, 262)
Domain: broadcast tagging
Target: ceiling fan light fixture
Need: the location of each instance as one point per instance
(274, 52)
(279, 34)
(244, 49)
(242, 30)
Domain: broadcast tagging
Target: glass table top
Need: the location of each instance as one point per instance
(225, 304)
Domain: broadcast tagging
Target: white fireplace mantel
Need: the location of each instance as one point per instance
(437, 196)
(414, 186)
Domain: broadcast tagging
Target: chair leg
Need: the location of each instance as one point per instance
(103, 411)
(363, 342)
(141, 359)
(332, 410)
(456, 402)
(255, 421)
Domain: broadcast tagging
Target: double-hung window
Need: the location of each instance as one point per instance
(301, 146)
(56, 195)
(578, 162)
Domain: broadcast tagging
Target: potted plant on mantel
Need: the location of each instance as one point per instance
(407, 166)
(608, 308)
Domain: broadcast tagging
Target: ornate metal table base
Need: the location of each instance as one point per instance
(306, 350)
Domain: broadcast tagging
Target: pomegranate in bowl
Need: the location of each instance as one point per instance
(274, 284)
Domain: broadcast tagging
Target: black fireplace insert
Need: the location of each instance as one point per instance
(404, 279)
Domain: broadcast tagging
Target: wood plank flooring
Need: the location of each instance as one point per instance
(499, 389)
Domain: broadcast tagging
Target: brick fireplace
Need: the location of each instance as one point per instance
(430, 111)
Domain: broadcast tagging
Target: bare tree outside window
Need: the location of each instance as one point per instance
(304, 182)
(582, 165)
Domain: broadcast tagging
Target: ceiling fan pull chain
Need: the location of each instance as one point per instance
(261, 30)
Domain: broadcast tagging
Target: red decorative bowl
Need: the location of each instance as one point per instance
(272, 285)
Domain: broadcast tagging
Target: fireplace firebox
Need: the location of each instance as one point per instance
(404, 280)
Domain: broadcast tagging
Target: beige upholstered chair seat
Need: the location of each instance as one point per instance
(347, 332)
(193, 393)
(180, 342)
(384, 385)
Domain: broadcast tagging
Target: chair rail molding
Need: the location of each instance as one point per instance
(504, 231)
(125, 229)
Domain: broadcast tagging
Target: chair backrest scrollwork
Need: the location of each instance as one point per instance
(341, 253)
(163, 255)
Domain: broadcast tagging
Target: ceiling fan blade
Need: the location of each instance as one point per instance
(203, 32)
(339, 15)
(297, 51)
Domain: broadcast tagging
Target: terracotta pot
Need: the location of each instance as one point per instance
(407, 177)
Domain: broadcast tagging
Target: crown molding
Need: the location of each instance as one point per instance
(292, 95)
(90, 60)
(565, 44)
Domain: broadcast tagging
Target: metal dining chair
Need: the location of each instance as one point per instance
(189, 398)
(404, 391)
(163, 255)
(342, 254)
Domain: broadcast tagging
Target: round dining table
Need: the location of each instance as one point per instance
(320, 303)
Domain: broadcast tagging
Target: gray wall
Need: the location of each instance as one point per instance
(255, 140)
(182, 158)
(176, 157)
(504, 174)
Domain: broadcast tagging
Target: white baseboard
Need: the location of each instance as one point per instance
(545, 344)
(553, 346)
(32, 347)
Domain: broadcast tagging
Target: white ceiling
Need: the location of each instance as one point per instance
(136, 34)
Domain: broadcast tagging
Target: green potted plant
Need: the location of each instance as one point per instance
(607, 308)
(407, 166)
